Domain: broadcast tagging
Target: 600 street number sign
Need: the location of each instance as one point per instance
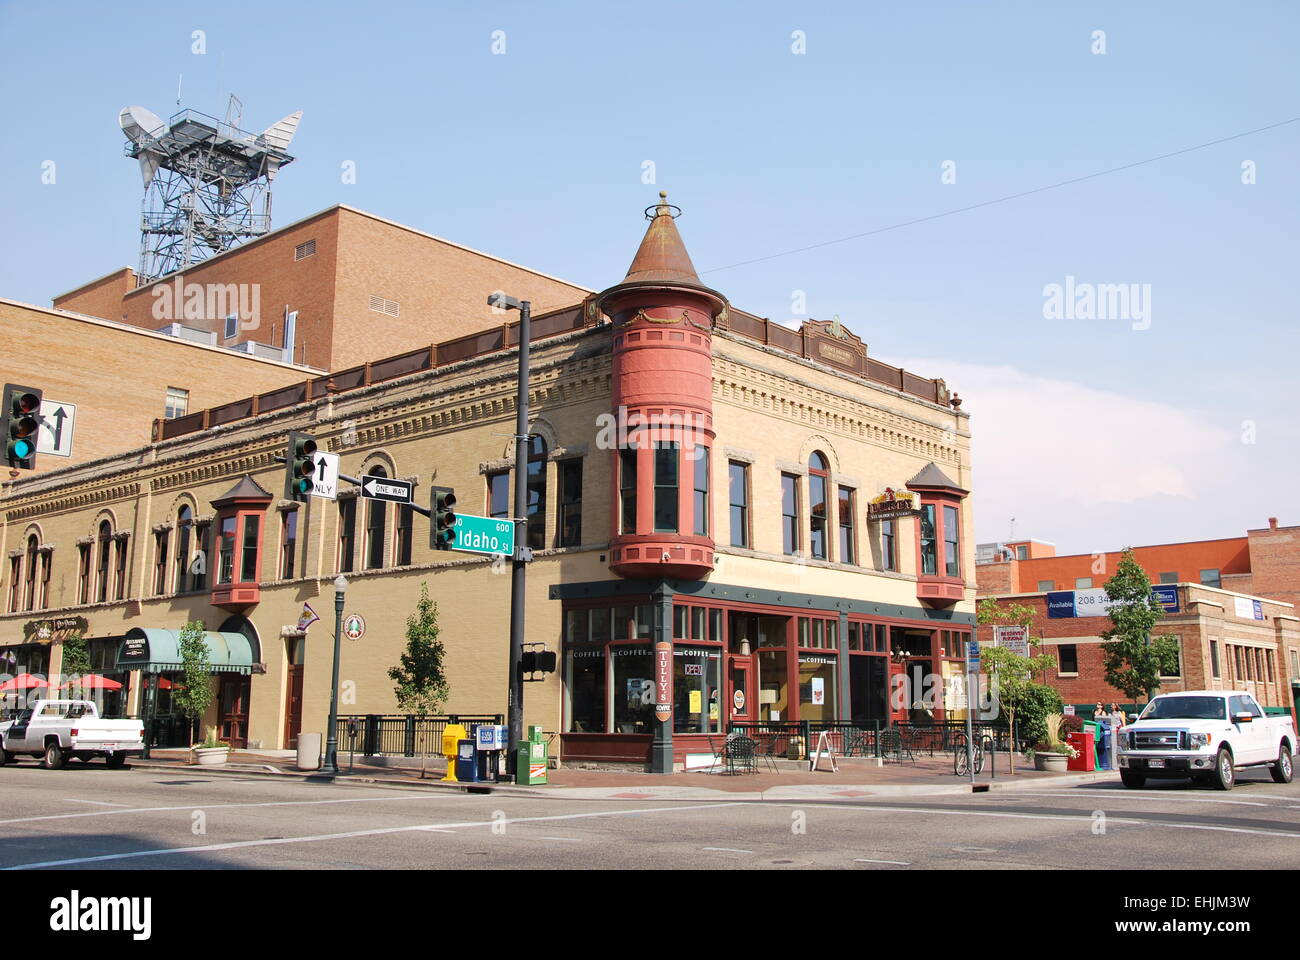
(484, 535)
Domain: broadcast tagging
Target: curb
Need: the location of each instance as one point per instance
(592, 793)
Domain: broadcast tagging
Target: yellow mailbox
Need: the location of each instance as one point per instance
(452, 734)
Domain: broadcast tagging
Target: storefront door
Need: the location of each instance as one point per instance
(740, 688)
(233, 705)
(293, 709)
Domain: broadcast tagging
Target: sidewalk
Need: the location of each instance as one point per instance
(855, 779)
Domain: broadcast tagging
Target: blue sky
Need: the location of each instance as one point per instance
(537, 155)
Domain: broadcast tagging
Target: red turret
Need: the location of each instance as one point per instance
(662, 396)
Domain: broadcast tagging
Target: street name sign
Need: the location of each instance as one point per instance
(54, 435)
(325, 478)
(484, 535)
(387, 489)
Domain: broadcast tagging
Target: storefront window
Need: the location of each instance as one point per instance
(773, 684)
(868, 686)
(634, 688)
(696, 698)
(584, 677)
(817, 692)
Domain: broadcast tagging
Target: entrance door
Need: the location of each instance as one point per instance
(740, 686)
(293, 709)
(233, 709)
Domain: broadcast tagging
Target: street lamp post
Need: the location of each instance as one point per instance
(332, 736)
(515, 702)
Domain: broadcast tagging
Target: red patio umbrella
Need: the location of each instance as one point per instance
(165, 684)
(92, 681)
(24, 681)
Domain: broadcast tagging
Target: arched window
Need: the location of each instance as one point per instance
(184, 521)
(818, 482)
(105, 541)
(29, 593)
(376, 519)
(536, 492)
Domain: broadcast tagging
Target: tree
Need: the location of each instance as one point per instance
(1133, 659)
(194, 698)
(420, 686)
(1010, 674)
(76, 661)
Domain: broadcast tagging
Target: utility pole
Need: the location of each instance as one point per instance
(519, 566)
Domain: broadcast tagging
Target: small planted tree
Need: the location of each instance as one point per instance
(1010, 674)
(419, 684)
(1134, 660)
(195, 696)
(76, 663)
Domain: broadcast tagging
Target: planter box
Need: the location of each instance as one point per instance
(211, 756)
(1052, 762)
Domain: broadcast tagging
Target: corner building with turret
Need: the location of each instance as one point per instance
(732, 522)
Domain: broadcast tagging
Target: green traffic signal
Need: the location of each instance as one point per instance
(299, 465)
(22, 412)
(444, 518)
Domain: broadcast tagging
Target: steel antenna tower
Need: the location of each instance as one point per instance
(207, 183)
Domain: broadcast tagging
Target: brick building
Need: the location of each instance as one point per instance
(1231, 603)
(788, 524)
(332, 290)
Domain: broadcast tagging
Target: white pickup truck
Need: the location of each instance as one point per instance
(1205, 735)
(55, 730)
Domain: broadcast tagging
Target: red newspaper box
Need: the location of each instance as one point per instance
(1086, 749)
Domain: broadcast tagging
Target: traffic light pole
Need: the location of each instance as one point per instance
(515, 711)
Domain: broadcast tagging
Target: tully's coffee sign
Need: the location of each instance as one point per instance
(663, 681)
(891, 505)
(48, 631)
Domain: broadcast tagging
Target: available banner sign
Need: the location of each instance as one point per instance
(1095, 603)
(663, 681)
(1248, 609)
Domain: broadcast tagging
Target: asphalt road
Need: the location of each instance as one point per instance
(93, 818)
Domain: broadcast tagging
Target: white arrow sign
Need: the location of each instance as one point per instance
(55, 433)
(381, 488)
(325, 480)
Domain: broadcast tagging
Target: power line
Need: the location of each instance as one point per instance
(1010, 196)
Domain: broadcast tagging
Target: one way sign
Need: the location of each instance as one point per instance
(55, 434)
(385, 488)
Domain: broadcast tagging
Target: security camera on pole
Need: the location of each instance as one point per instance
(515, 703)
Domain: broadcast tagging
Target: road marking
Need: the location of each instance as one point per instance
(1159, 795)
(726, 849)
(208, 806)
(564, 839)
(353, 834)
(1081, 817)
(901, 863)
(99, 803)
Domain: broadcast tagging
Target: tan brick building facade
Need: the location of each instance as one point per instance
(806, 431)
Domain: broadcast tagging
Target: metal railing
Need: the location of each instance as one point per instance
(862, 738)
(400, 736)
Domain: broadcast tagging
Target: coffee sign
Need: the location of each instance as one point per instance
(663, 681)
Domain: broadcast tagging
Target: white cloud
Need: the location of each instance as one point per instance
(1052, 452)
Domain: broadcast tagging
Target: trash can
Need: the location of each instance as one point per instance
(1085, 746)
(309, 751)
(466, 761)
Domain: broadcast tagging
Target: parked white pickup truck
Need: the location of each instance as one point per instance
(55, 730)
(1205, 735)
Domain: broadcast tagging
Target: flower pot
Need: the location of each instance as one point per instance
(211, 756)
(1051, 762)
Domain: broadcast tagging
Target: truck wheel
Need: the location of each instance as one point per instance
(54, 758)
(116, 760)
(1133, 781)
(1282, 769)
(1224, 776)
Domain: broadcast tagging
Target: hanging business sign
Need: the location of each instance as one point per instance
(48, 631)
(663, 681)
(354, 626)
(1014, 638)
(893, 504)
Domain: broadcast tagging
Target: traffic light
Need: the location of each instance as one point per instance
(299, 466)
(537, 661)
(22, 417)
(442, 534)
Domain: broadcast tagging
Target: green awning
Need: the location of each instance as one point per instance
(155, 650)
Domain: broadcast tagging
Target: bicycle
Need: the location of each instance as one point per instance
(961, 760)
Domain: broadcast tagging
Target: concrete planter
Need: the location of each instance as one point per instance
(1051, 762)
(211, 756)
